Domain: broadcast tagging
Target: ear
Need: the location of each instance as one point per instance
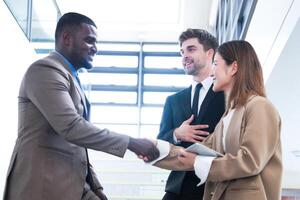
(210, 53)
(66, 37)
(234, 68)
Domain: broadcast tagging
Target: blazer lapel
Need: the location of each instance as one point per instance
(185, 102)
(84, 100)
(61, 62)
(233, 131)
(219, 135)
(208, 98)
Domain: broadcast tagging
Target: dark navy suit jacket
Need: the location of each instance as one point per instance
(177, 109)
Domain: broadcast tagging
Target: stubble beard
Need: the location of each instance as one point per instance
(195, 70)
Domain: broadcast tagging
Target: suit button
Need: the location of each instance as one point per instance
(211, 194)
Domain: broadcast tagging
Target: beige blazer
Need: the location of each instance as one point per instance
(252, 165)
(49, 160)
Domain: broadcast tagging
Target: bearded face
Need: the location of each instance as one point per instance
(194, 58)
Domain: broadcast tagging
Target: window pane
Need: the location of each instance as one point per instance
(114, 114)
(151, 115)
(161, 47)
(130, 130)
(41, 55)
(118, 47)
(149, 131)
(19, 10)
(115, 61)
(43, 45)
(156, 97)
(163, 62)
(43, 21)
(176, 80)
(112, 97)
(108, 79)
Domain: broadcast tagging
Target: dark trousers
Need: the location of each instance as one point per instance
(173, 196)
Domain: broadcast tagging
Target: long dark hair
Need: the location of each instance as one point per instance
(249, 76)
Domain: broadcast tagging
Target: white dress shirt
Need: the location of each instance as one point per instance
(202, 163)
(206, 84)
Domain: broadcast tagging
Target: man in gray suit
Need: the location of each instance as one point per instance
(50, 160)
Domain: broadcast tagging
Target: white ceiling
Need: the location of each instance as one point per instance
(131, 20)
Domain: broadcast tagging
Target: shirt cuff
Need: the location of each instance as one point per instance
(175, 138)
(202, 166)
(176, 141)
(164, 149)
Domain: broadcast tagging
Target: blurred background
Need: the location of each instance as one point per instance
(138, 65)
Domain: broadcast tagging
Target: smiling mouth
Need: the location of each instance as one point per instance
(188, 64)
(91, 57)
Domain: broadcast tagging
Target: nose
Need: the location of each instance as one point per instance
(185, 58)
(183, 54)
(213, 73)
(94, 48)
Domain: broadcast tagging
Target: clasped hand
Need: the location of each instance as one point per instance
(145, 149)
(186, 159)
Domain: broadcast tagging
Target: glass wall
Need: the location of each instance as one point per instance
(129, 83)
(233, 18)
(37, 19)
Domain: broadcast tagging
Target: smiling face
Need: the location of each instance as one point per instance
(223, 74)
(82, 46)
(194, 58)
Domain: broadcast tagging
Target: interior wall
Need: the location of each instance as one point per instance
(283, 90)
(16, 55)
(269, 29)
(274, 32)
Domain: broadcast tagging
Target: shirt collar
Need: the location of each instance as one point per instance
(71, 67)
(206, 83)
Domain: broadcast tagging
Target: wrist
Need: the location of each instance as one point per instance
(131, 144)
(176, 134)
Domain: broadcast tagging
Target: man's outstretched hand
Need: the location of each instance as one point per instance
(143, 148)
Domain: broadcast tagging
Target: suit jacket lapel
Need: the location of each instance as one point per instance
(84, 102)
(88, 108)
(208, 98)
(185, 102)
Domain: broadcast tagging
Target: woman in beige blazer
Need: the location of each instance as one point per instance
(248, 134)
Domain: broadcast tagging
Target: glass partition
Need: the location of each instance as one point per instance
(19, 9)
(37, 19)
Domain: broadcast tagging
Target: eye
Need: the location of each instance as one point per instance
(191, 49)
(181, 52)
(90, 40)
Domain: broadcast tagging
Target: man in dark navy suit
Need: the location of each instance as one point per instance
(192, 113)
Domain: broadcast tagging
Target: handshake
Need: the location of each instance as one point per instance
(145, 149)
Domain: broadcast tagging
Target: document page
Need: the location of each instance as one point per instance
(203, 150)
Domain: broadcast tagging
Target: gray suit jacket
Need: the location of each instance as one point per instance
(49, 159)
